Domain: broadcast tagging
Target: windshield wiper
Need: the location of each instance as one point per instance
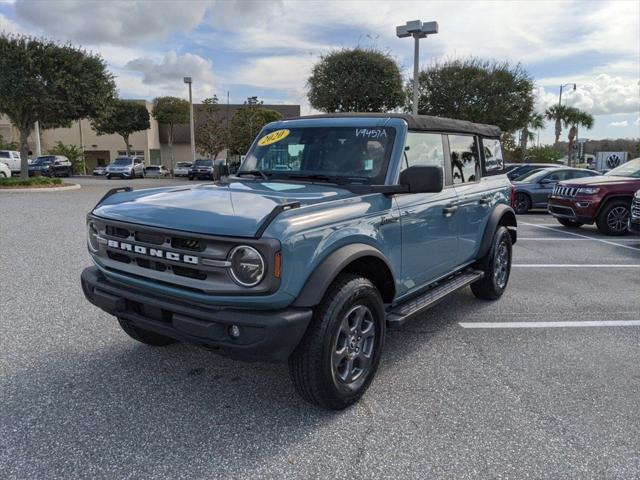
(255, 173)
(313, 176)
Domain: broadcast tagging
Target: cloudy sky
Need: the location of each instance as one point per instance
(267, 47)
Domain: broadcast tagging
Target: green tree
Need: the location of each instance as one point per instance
(544, 154)
(478, 91)
(246, 123)
(171, 111)
(536, 122)
(72, 152)
(576, 118)
(211, 134)
(356, 80)
(558, 114)
(124, 117)
(44, 81)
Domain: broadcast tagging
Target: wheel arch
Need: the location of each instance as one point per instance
(613, 197)
(502, 215)
(357, 258)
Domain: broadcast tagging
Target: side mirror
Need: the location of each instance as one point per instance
(422, 179)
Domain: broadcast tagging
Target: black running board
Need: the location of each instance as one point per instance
(398, 315)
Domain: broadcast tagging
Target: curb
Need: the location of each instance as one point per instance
(74, 186)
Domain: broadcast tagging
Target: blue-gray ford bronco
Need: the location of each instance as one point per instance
(334, 229)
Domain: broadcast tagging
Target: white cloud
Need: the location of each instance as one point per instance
(622, 123)
(167, 73)
(7, 26)
(598, 95)
(287, 72)
(117, 22)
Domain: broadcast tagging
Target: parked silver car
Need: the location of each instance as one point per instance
(126, 167)
(182, 169)
(157, 171)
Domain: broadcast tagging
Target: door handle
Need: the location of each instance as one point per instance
(484, 201)
(450, 210)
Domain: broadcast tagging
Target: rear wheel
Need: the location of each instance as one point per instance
(3, 175)
(108, 177)
(569, 223)
(523, 203)
(144, 336)
(613, 219)
(496, 266)
(338, 357)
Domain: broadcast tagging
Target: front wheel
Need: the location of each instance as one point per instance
(496, 266)
(338, 357)
(569, 223)
(144, 336)
(613, 219)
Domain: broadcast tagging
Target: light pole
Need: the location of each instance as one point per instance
(561, 87)
(417, 30)
(191, 129)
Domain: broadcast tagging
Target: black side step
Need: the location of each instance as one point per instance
(399, 314)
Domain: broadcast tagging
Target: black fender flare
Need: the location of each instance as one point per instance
(501, 215)
(326, 272)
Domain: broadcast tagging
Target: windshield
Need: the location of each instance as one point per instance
(153, 168)
(629, 169)
(204, 163)
(532, 175)
(343, 154)
(122, 161)
(44, 160)
(183, 164)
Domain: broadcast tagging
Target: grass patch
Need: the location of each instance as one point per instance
(33, 182)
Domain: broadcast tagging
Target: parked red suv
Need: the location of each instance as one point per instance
(605, 200)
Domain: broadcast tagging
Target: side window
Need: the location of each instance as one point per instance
(578, 174)
(424, 149)
(493, 162)
(557, 176)
(4, 155)
(465, 161)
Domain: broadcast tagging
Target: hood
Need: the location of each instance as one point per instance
(602, 180)
(229, 209)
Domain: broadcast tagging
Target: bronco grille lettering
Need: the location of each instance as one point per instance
(153, 252)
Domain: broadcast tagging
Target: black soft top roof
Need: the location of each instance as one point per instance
(425, 123)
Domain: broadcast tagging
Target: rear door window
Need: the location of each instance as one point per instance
(465, 159)
(493, 161)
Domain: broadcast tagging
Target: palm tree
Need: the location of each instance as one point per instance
(558, 113)
(536, 121)
(577, 118)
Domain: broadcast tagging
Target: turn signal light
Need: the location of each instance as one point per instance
(277, 264)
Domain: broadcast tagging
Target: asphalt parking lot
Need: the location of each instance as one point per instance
(78, 398)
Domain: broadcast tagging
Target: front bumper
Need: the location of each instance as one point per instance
(634, 226)
(264, 335)
(119, 174)
(577, 209)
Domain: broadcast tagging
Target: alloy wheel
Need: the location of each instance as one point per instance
(501, 267)
(354, 346)
(618, 218)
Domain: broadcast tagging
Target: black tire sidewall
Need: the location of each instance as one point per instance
(527, 203)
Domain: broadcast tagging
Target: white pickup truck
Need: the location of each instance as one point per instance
(11, 158)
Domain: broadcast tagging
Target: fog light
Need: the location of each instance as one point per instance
(234, 331)
(582, 204)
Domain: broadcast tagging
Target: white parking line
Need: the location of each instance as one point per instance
(632, 240)
(560, 324)
(581, 236)
(574, 265)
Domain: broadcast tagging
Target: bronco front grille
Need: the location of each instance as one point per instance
(564, 191)
(635, 208)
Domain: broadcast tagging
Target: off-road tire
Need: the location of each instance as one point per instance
(145, 336)
(522, 203)
(603, 219)
(569, 223)
(311, 365)
(493, 284)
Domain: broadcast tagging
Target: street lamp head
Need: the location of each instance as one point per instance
(574, 87)
(187, 79)
(416, 28)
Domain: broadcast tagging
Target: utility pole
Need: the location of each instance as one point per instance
(84, 162)
(38, 147)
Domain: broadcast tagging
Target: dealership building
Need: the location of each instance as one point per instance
(151, 145)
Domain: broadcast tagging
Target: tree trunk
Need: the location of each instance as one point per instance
(126, 142)
(170, 142)
(558, 130)
(24, 152)
(572, 137)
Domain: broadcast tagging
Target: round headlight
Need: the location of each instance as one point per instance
(92, 236)
(247, 266)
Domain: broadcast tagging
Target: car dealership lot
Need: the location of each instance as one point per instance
(78, 398)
